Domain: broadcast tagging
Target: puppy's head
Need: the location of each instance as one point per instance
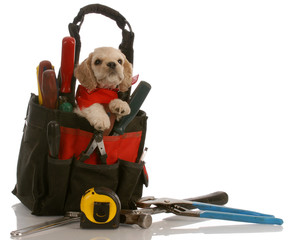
(106, 67)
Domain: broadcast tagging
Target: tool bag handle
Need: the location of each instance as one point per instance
(128, 36)
(126, 45)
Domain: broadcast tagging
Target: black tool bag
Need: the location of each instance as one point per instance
(52, 186)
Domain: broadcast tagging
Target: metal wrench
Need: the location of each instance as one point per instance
(127, 217)
(69, 217)
(142, 217)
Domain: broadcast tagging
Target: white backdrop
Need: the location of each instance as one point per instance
(221, 109)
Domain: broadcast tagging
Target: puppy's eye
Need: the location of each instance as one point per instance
(98, 62)
(119, 61)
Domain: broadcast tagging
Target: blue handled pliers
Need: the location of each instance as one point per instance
(205, 210)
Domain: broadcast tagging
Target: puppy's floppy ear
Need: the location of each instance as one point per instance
(85, 75)
(127, 71)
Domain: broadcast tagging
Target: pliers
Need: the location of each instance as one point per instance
(95, 142)
(205, 210)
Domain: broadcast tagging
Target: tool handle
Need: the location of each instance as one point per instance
(44, 226)
(219, 198)
(212, 207)
(241, 217)
(43, 65)
(126, 45)
(138, 97)
(101, 9)
(53, 138)
(67, 63)
(49, 89)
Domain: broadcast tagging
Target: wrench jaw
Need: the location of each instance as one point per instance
(181, 211)
(142, 202)
(16, 234)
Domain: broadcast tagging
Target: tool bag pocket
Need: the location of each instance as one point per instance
(58, 176)
(85, 176)
(52, 186)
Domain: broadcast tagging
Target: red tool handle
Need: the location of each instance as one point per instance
(67, 63)
(49, 89)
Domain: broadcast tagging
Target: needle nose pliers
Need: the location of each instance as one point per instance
(95, 142)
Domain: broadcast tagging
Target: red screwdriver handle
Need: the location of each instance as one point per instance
(67, 63)
(49, 89)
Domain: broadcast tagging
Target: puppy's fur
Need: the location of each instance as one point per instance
(106, 67)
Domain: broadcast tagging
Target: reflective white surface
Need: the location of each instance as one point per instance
(164, 225)
(221, 109)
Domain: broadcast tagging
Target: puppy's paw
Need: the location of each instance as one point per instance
(119, 108)
(96, 116)
(102, 123)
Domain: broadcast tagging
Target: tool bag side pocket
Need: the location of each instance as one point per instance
(129, 174)
(31, 186)
(58, 174)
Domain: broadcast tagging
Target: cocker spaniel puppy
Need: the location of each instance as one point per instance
(105, 72)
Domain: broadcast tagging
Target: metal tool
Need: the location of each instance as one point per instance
(142, 217)
(137, 98)
(143, 154)
(69, 217)
(179, 207)
(95, 142)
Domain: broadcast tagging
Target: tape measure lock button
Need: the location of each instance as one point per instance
(100, 208)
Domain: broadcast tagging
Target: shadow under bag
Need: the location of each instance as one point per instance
(50, 185)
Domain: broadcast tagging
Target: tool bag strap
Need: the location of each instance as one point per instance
(126, 45)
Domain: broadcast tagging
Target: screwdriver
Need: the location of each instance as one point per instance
(43, 65)
(137, 98)
(67, 63)
(53, 138)
(49, 89)
(66, 73)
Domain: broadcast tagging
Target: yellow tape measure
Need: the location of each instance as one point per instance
(100, 208)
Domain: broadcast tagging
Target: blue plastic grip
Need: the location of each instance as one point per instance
(241, 217)
(211, 207)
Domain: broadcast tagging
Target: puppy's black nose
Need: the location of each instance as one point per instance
(111, 65)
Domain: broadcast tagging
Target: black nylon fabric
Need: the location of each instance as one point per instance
(49, 186)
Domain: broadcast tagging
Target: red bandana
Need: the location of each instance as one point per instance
(86, 98)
